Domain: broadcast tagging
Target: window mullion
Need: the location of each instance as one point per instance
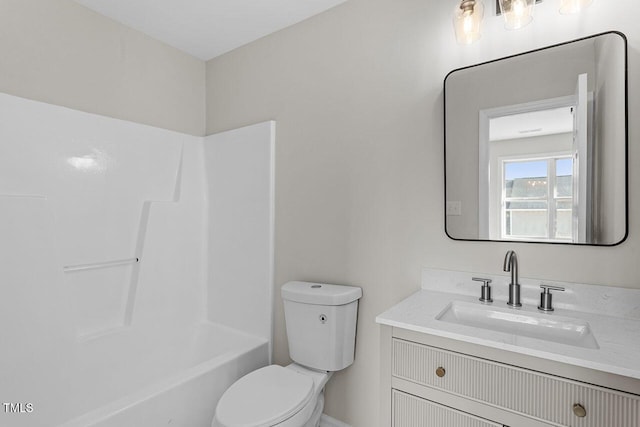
(551, 200)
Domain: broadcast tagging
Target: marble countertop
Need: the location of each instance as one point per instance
(612, 314)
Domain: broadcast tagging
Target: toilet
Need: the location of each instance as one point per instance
(321, 331)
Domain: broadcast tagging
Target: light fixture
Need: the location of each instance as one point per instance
(573, 6)
(468, 15)
(466, 21)
(517, 13)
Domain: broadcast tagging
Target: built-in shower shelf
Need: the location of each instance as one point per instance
(95, 265)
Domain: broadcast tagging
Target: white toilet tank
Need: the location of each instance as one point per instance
(321, 324)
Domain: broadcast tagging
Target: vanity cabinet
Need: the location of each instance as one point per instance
(432, 381)
(411, 411)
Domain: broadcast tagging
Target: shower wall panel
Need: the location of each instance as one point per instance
(106, 184)
(240, 178)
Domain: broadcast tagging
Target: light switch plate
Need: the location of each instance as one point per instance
(454, 208)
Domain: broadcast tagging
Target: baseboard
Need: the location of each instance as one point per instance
(327, 421)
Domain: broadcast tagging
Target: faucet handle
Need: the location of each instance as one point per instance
(548, 288)
(485, 291)
(546, 298)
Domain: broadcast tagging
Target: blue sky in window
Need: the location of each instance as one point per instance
(536, 169)
(564, 167)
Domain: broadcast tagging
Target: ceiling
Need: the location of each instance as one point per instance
(535, 123)
(208, 28)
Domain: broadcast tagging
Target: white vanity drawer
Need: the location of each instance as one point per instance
(543, 397)
(411, 411)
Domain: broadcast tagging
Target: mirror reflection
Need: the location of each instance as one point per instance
(535, 146)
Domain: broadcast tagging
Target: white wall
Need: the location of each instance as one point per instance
(357, 93)
(65, 54)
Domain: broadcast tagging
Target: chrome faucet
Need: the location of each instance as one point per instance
(511, 264)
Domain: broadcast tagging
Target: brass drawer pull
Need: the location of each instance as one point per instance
(579, 410)
(440, 372)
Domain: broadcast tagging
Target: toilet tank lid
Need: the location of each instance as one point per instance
(320, 293)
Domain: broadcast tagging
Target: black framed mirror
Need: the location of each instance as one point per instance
(536, 145)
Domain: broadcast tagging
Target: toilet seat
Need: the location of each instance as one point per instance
(265, 397)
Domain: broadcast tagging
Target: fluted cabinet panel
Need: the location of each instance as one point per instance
(536, 395)
(412, 411)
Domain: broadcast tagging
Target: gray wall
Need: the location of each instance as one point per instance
(59, 52)
(357, 95)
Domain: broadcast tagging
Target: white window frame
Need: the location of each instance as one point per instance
(484, 169)
(551, 198)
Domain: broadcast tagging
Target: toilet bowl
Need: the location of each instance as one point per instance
(279, 396)
(321, 328)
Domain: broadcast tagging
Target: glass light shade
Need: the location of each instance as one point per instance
(467, 19)
(573, 6)
(517, 13)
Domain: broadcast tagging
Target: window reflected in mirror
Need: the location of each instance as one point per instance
(532, 188)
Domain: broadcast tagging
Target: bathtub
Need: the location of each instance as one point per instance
(160, 380)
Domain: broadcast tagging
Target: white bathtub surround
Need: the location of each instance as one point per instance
(130, 344)
(613, 315)
(99, 177)
(240, 175)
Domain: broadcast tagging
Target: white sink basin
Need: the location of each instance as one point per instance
(543, 326)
